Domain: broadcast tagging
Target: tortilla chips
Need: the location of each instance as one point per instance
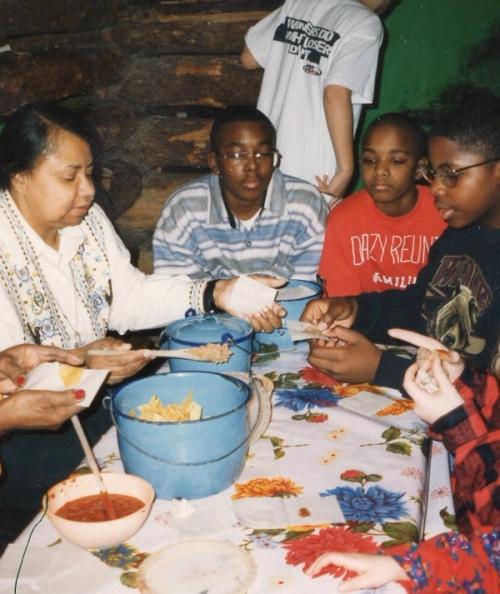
(154, 410)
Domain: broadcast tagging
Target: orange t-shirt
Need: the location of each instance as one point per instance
(366, 250)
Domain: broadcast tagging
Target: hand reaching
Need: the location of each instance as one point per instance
(335, 187)
(349, 357)
(121, 366)
(429, 348)
(373, 570)
(327, 313)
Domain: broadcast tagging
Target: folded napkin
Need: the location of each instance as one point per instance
(278, 512)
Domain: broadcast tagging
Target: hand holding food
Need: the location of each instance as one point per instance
(122, 363)
(265, 320)
(430, 349)
(350, 357)
(327, 313)
(432, 406)
(38, 409)
(18, 360)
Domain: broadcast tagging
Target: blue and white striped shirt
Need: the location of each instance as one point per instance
(193, 235)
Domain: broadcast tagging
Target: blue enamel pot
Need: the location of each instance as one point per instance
(294, 307)
(189, 459)
(194, 331)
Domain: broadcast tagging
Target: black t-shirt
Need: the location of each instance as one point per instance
(456, 299)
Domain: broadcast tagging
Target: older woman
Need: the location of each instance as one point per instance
(66, 279)
(65, 276)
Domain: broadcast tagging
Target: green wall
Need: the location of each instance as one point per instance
(430, 44)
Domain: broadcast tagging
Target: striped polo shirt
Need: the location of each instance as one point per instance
(194, 236)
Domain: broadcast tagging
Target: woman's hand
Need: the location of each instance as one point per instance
(349, 357)
(123, 363)
(373, 570)
(265, 321)
(38, 409)
(329, 312)
(16, 361)
(431, 406)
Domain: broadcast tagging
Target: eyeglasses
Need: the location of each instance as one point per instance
(447, 175)
(266, 158)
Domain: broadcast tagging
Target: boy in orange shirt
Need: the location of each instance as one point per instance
(379, 238)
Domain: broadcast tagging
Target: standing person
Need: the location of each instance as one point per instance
(456, 298)
(379, 238)
(467, 420)
(246, 216)
(320, 60)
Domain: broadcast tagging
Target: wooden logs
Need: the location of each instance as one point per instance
(149, 75)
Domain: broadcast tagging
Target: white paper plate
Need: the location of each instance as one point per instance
(194, 566)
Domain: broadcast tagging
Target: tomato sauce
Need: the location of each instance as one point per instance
(92, 508)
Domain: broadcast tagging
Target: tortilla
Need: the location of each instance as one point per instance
(70, 375)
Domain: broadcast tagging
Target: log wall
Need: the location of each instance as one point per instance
(150, 76)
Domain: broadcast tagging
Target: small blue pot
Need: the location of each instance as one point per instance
(294, 307)
(211, 328)
(190, 459)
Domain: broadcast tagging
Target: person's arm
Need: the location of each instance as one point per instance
(472, 435)
(247, 60)
(450, 562)
(338, 112)
(447, 562)
(258, 41)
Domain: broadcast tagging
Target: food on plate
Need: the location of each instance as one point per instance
(215, 353)
(91, 508)
(155, 410)
(70, 375)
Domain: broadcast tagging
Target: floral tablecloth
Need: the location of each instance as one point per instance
(326, 475)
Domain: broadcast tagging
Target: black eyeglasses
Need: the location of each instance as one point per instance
(447, 175)
(238, 158)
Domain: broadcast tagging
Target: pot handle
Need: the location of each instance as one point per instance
(264, 410)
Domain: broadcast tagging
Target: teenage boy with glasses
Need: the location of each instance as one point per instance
(456, 298)
(245, 217)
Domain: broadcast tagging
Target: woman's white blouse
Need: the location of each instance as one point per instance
(139, 301)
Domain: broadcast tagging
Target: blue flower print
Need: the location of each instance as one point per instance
(97, 302)
(299, 399)
(373, 505)
(491, 544)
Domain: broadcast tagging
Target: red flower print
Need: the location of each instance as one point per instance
(334, 538)
(317, 418)
(314, 376)
(353, 475)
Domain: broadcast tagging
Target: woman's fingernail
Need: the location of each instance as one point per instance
(20, 381)
(79, 394)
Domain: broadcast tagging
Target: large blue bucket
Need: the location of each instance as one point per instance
(189, 459)
(294, 307)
